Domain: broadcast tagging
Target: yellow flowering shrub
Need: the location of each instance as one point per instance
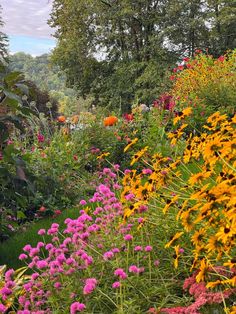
(206, 83)
(198, 189)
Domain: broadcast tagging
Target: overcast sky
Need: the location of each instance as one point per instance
(26, 25)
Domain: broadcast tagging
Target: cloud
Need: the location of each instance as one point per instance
(27, 17)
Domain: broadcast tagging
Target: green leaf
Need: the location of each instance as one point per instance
(20, 215)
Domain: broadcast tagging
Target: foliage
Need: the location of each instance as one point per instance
(119, 52)
(3, 43)
(206, 84)
(43, 77)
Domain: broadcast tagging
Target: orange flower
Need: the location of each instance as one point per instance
(61, 119)
(109, 121)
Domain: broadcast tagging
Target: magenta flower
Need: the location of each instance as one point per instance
(77, 307)
(22, 256)
(120, 273)
(90, 285)
(148, 248)
(2, 308)
(41, 232)
(116, 285)
(128, 237)
(83, 202)
(41, 138)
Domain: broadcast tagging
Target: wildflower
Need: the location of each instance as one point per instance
(138, 155)
(77, 307)
(108, 255)
(41, 232)
(174, 238)
(41, 138)
(116, 285)
(103, 155)
(138, 248)
(134, 141)
(90, 285)
(22, 257)
(3, 309)
(120, 273)
(148, 248)
(110, 121)
(128, 237)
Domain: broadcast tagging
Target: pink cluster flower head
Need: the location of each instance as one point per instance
(120, 273)
(3, 309)
(138, 248)
(41, 232)
(148, 248)
(22, 257)
(147, 171)
(83, 202)
(90, 285)
(77, 307)
(116, 285)
(108, 255)
(128, 237)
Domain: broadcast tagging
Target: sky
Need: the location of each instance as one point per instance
(26, 25)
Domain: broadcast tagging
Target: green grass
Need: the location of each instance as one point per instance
(12, 248)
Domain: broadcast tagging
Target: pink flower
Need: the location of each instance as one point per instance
(2, 308)
(41, 232)
(128, 237)
(120, 273)
(138, 248)
(133, 269)
(57, 285)
(148, 248)
(83, 202)
(90, 285)
(156, 262)
(41, 264)
(41, 138)
(116, 285)
(77, 307)
(108, 255)
(147, 171)
(22, 256)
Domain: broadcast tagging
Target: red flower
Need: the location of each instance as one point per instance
(42, 209)
(221, 58)
(128, 116)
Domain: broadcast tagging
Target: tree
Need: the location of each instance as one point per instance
(3, 42)
(222, 21)
(99, 42)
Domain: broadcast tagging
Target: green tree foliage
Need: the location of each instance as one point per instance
(3, 41)
(120, 50)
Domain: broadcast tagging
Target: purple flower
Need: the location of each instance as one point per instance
(90, 285)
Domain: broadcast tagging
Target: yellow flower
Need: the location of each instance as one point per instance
(130, 144)
(103, 155)
(203, 270)
(173, 239)
(138, 155)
